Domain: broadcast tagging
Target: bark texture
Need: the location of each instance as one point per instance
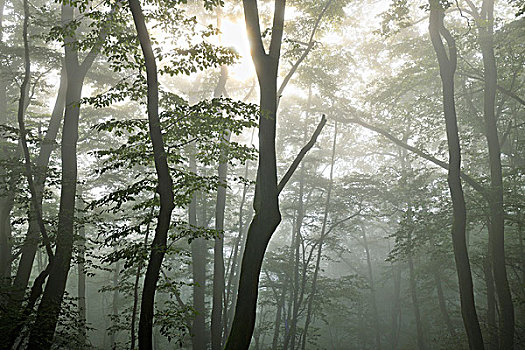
(447, 68)
(266, 204)
(165, 183)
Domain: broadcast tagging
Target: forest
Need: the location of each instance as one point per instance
(301, 174)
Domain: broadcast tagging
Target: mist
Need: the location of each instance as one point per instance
(252, 174)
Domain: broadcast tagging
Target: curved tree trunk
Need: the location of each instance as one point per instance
(415, 303)
(41, 335)
(396, 306)
(324, 232)
(217, 318)
(198, 263)
(372, 291)
(81, 285)
(240, 242)
(165, 183)
(447, 68)
(32, 237)
(266, 203)
(443, 305)
(497, 224)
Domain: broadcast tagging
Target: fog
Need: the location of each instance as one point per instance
(262, 174)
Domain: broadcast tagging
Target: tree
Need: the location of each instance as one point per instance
(485, 21)
(49, 308)
(165, 183)
(447, 68)
(266, 202)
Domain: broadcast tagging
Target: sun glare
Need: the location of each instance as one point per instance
(234, 35)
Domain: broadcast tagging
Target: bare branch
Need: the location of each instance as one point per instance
(468, 179)
(309, 47)
(301, 155)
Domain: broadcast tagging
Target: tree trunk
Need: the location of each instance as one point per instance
(447, 68)
(373, 292)
(114, 306)
(42, 332)
(443, 305)
(493, 341)
(81, 286)
(3, 82)
(266, 203)
(396, 307)
(165, 183)
(278, 318)
(415, 303)
(320, 243)
(218, 253)
(289, 339)
(198, 261)
(136, 286)
(47, 316)
(32, 237)
(6, 191)
(233, 279)
(218, 262)
(497, 231)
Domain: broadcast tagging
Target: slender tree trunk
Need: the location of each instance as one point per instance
(298, 294)
(198, 258)
(49, 308)
(493, 341)
(521, 245)
(165, 183)
(486, 40)
(373, 292)
(47, 316)
(443, 305)
(396, 307)
(415, 303)
(23, 103)
(81, 285)
(289, 340)
(266, 203)
(320, 243)
(114, 306)
(447, 68)
(231, 288)
(278, 318)
(239, 250)
(218, 260)
(32, 237)
(42, 332)
(218, 248)
(6, 191)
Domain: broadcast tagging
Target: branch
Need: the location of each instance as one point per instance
(93, 53)
(499, 87)
(467, 178)
(342, 221)
(187, 318)
(309, 47)
(436, 30)
(277, 29)
(24, 88)
(301, 155)
(474, 11)
(253, 28)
